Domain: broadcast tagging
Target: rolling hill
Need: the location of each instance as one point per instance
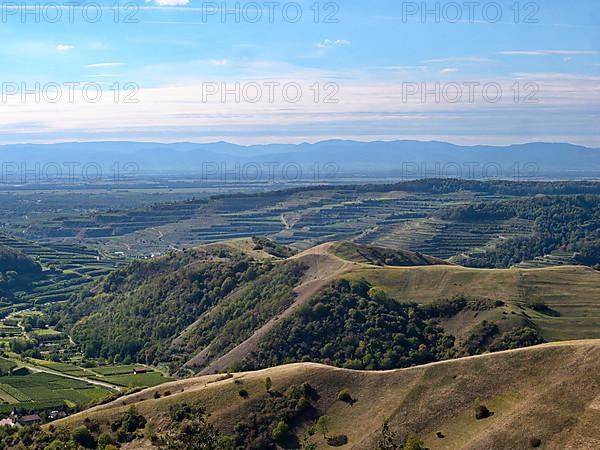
(235, 305)
(546, 396)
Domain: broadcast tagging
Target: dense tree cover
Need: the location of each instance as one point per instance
(15, 260)
(486, 336)
(272, 247)
(352, 325)
(480, 337)
(569, 223)
(517, 338)
(135, 311)
(16, 268)
(254, 304)
(126, 428)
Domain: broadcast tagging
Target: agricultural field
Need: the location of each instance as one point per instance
(300, 217)
(117, 375)
(31, 391)
(400, 216)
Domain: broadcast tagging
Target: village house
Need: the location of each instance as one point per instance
(30, 419)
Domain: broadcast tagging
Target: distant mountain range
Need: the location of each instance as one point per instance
(404, 159)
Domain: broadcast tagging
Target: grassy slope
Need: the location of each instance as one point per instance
(550, 392)
(573, 291)
(379, 256)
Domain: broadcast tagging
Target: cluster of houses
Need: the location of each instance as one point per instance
(17, 420)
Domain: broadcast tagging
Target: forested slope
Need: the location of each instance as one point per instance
(137, 311)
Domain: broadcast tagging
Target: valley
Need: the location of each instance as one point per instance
(342, 287)
(300, 226)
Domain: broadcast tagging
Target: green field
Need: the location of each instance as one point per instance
(6, 365)
(39, 391)
(68, 369)
(114, 370)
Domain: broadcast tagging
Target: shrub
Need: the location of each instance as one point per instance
(345, 396)
(337, 441)
(535, 442)
(243, 393)
(104, 440)
(280, 432)
(413, 443)
(83, 437)
(323, 425)
(195, 433)
(482, 412)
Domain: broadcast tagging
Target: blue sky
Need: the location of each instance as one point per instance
(367, 51)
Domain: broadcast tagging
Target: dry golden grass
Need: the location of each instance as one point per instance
(550, 392)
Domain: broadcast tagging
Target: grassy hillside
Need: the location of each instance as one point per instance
(236, 305)
(528, 405)
(571, 291)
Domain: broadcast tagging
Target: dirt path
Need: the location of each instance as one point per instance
(322, 268)
(38, 369)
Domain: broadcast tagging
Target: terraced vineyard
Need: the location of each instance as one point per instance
(445, 239)
(403, 215)
(67, 268)
(302, 218)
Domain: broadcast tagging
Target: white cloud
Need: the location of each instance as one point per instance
(169, 2)
(448, 70)
(328, 43)
(103, 65)
(459, 59)
(547, 52)
(368, 108)
(64, 47)
(401, 68)
(218, 62)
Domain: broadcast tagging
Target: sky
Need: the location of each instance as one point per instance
(260, 72)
